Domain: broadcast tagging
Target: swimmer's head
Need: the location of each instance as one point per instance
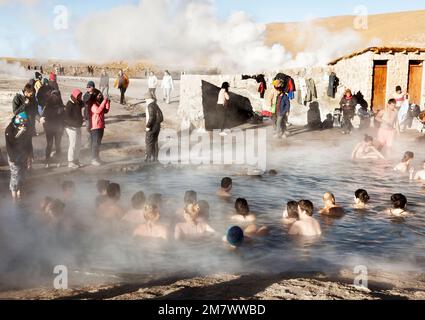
(305, 206)
(329, 198)
(368, 139)
(55, 208)
(138, 200)
(235, 236)
(361, 196)
(113, 191)
(155, 198)
(226, 183)
(204, 210)
(192, 212)
(242, 207)
(190, 197)
(151, 212)
(408, 155)
(272, 172)
(392, 104)
(102, 186)
(399, 201)
(45, 202)
(292, 208)
(68, 187)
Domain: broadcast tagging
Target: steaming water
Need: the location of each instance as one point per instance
(367, 237)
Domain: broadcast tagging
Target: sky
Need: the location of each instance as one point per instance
(26, 26)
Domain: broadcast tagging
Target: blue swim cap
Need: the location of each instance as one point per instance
(235, 236)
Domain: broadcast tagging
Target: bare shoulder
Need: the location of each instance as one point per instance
(295, 228)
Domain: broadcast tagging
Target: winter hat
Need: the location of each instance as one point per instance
(38, 75)
(235, 236)
(91, 84)
(45, 81)
(21, 118)
(75, 93)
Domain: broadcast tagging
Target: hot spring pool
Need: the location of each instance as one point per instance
(368, 238)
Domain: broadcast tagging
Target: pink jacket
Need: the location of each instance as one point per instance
(97, 114)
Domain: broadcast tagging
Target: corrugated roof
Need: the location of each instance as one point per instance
(378, 50)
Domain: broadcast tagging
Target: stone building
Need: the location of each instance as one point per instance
(376, 72)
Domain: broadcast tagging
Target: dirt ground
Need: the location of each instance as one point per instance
(289, 286)
(123, 150)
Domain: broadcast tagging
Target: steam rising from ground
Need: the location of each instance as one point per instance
(189, 33)
(14, 70)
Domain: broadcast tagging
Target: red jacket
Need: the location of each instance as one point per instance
(97, 114)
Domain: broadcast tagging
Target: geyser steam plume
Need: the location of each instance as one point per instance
(181, 34)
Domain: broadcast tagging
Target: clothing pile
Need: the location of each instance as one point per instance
(288, 84)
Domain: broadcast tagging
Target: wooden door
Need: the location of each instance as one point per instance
(379, 85)
(414, 87)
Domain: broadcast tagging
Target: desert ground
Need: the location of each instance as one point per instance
(123, 150)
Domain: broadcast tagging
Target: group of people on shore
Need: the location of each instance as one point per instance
(41, 99)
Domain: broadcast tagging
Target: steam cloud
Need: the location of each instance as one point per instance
(14, 70)
(183, 33)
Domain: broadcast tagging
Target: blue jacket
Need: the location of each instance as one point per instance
(285, 105)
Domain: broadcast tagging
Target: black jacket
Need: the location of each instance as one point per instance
(53, 112)
(19, 105)
(73, 114)
(348, 106)
(18, 148)
(42, 95)
(155, 117)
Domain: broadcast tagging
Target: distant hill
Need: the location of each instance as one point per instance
(391, 29)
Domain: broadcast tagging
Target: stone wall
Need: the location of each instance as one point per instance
(357, 73)
(191, 111)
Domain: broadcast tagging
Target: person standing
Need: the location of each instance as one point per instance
(73, 119)
(348, 105)
(52, 119)
(53, 81)
(19, 149)
(89, 98)
(387, 119)
(26, 102)
(97, 113)
(122, 84)
(282, 115)
(399, 97)
(154, 118)
(167, 85)
(38, 81)
(104, 83)
(222, 107)
(152, 84)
